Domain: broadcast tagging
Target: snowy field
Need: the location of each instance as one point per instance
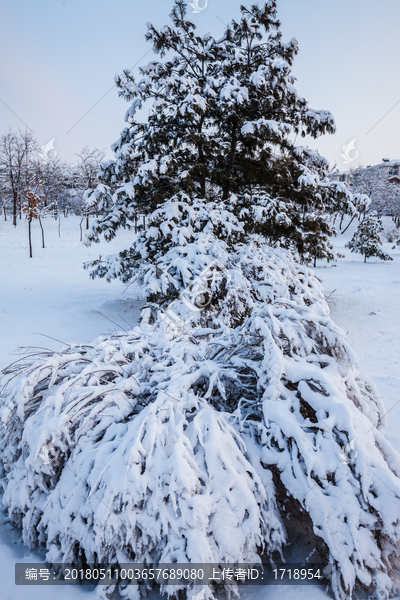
(51, 295)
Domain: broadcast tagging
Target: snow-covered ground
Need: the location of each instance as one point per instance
(364, 300)
(51, 295)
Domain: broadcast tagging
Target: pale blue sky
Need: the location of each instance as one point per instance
(59, 57)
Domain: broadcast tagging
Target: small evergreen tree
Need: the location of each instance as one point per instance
(366, 240)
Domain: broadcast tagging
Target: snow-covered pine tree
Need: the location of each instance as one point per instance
(224, 117)
(208, 431)
(367, 240)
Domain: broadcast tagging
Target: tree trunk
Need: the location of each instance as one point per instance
(80, 227)
(15, 200)
(202, 172)
(41, 227)
(365, 258)
(201, 162)
(227, 185)
(59, 226)
(30, 237)
(87, 221)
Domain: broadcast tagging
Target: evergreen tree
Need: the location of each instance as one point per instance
(366, 240)
(224, 116)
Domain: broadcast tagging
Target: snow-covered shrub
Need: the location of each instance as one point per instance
(193, 446)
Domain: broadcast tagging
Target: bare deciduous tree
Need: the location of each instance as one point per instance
(87, 174)
(384, 194)
(16, 154)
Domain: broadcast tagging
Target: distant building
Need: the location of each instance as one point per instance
(394, 176)
(345, 177)
(388, 169)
